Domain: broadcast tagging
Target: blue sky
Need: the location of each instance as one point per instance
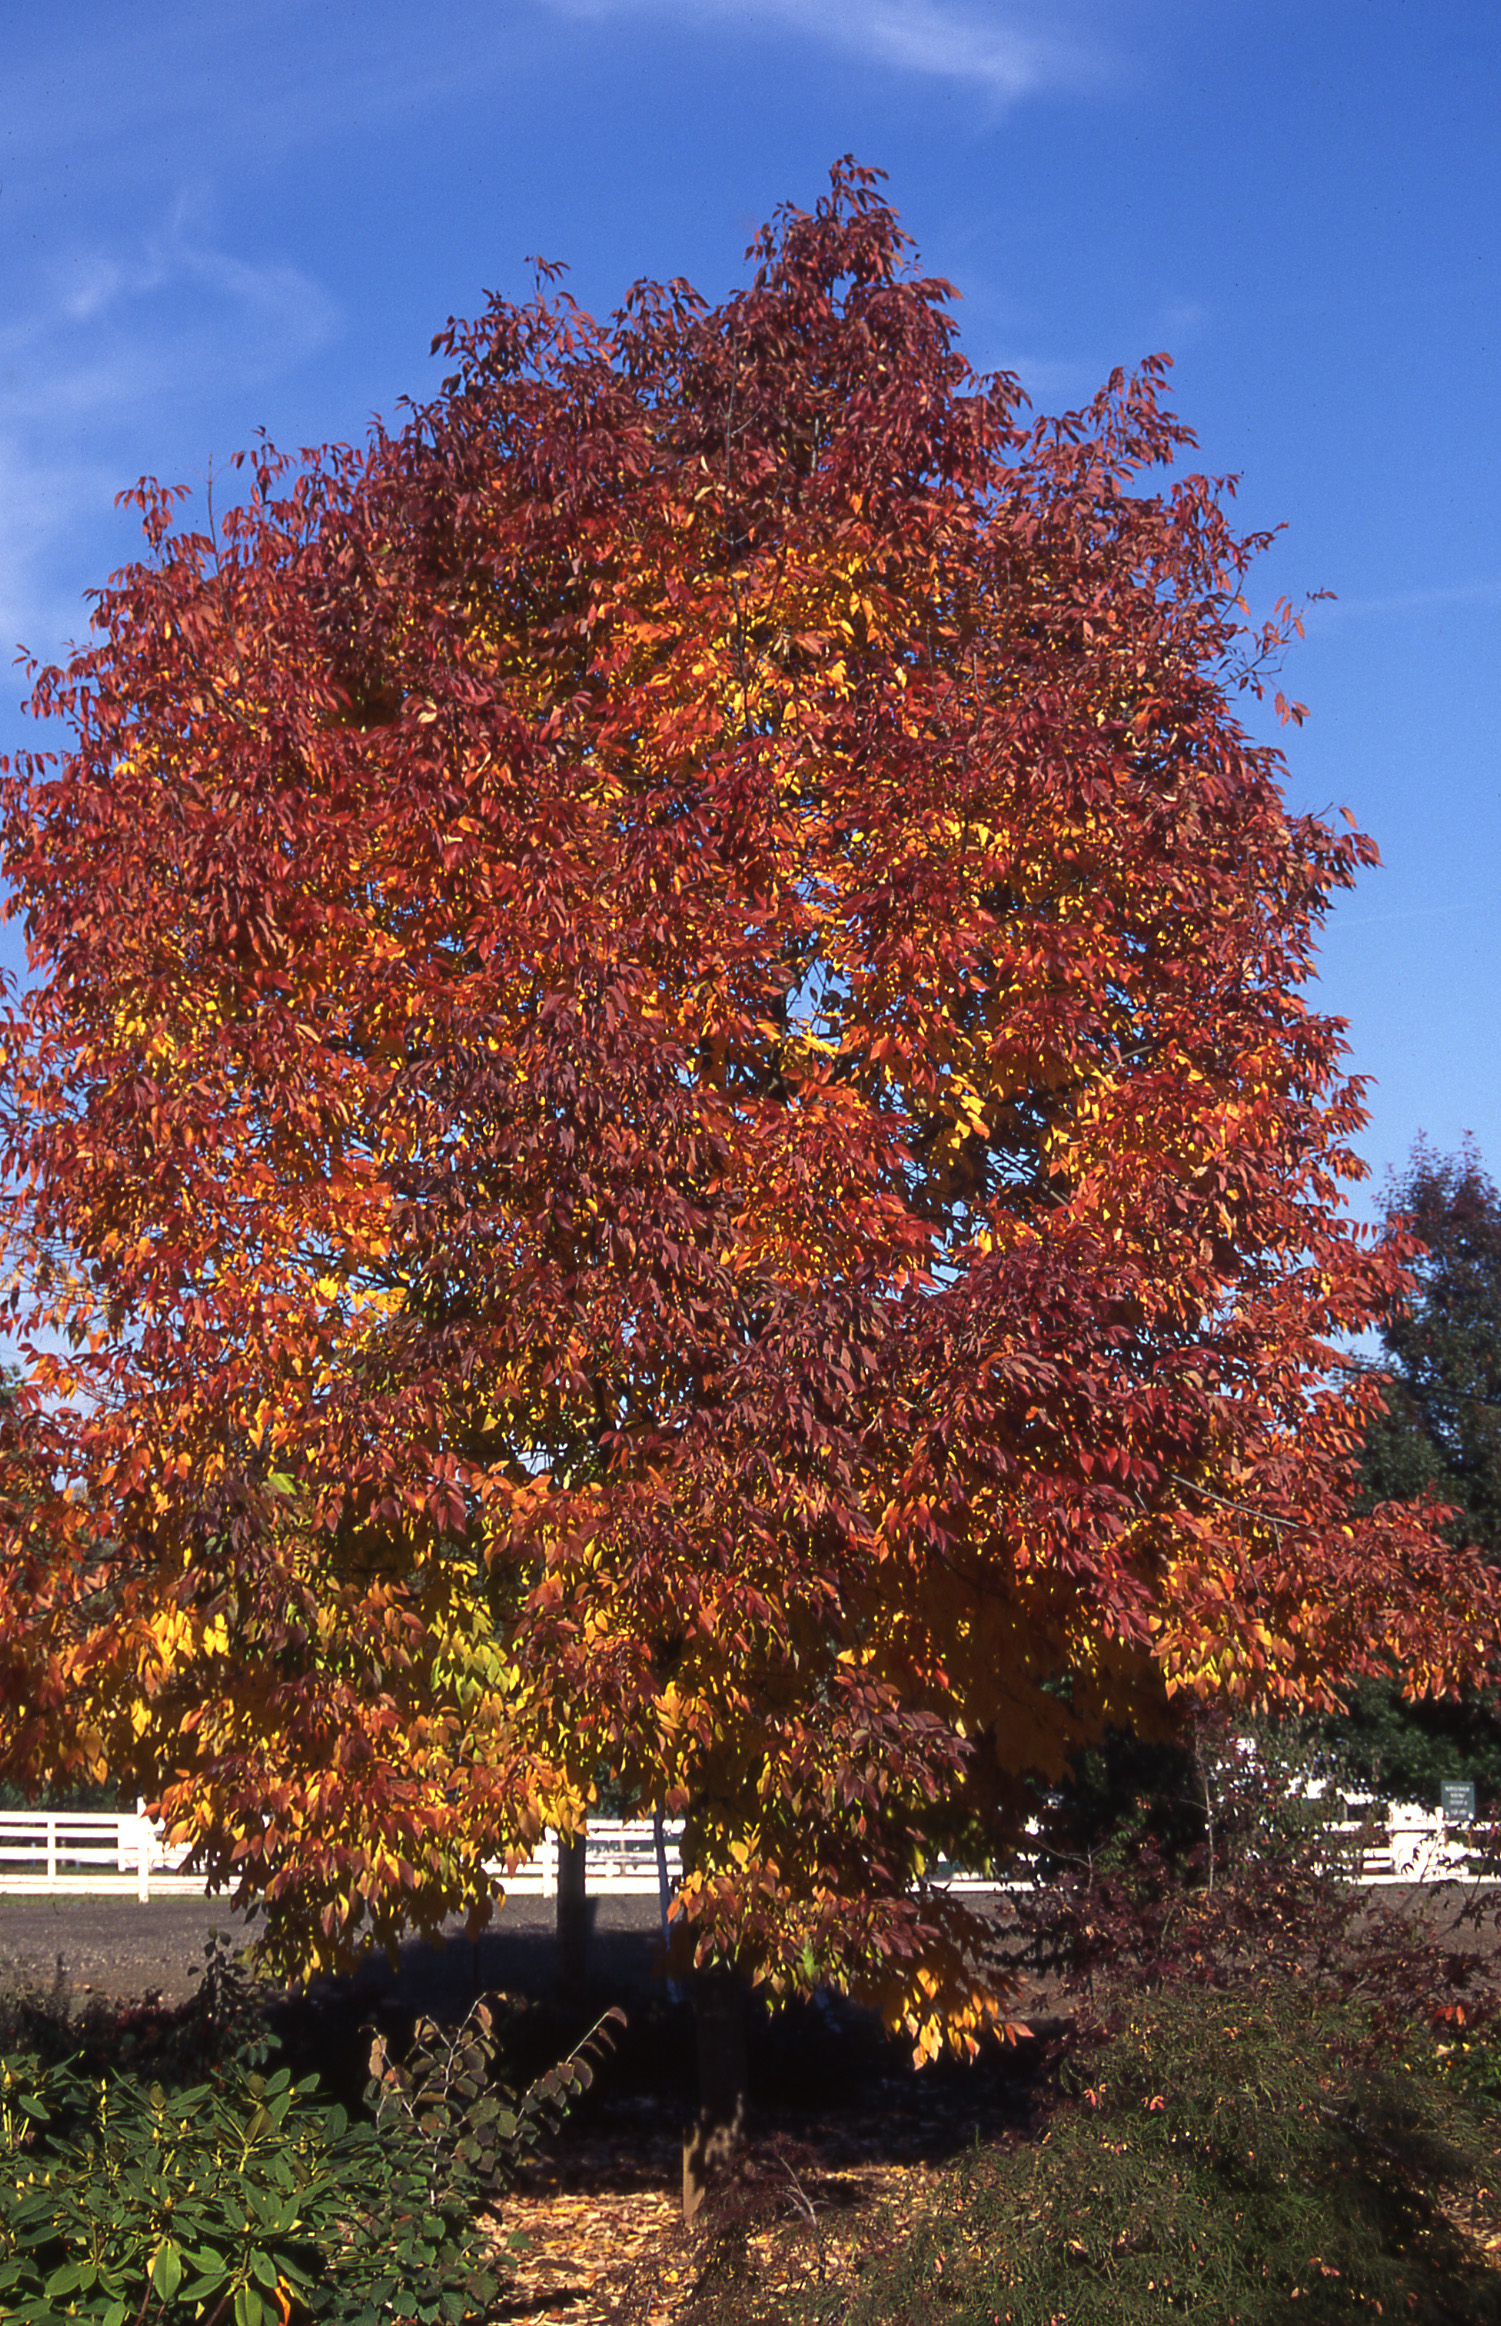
(213, 219)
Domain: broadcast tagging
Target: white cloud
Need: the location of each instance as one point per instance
(1007, 52)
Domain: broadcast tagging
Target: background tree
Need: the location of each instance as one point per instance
(666, 1123)
(1441, 1427)
(1438, 1433)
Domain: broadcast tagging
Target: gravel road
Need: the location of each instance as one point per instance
(112, 1946)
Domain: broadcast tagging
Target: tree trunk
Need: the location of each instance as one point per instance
(719, 1996)
(573, 1914)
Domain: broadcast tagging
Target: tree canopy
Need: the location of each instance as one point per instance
(666, 1125)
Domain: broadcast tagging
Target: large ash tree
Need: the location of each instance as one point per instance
(667, 1126)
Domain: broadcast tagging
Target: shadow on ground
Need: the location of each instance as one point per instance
(822, 2075)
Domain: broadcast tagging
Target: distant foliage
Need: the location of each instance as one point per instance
(1441, 1430)
(1438, 1435)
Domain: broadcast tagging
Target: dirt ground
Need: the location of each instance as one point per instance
(112, 1946)
(109, 1945)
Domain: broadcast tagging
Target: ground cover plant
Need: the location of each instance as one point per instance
(1231, 2156)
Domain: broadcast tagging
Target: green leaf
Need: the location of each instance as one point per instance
(166, 2271)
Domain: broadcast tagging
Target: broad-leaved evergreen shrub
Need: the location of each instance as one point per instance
(250, 2199)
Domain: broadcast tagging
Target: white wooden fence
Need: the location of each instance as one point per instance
(1417, 1846)
(77, 1852)
(62, 1851)
(621, 1861)
(58, 1852)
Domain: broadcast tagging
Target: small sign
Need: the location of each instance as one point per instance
(1457, 1802)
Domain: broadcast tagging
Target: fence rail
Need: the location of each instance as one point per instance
(76, 1850)
(621, 1861)
(58, 1852)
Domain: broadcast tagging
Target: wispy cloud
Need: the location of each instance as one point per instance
(170, 314)
(252, 77)
(1006, 52)
(1414, 913)
(122, 106)
(116, 338)
(1443, 595)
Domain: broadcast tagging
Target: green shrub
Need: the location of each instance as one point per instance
(449, 2136)
(1223, 2157)
(174, 2205)
(248, 2198)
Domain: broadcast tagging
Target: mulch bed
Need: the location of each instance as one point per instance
(601, 2214)
(606, 2244)
(602, 2256)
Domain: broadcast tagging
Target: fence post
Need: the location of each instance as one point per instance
(549, 1864)
(51, 1853)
